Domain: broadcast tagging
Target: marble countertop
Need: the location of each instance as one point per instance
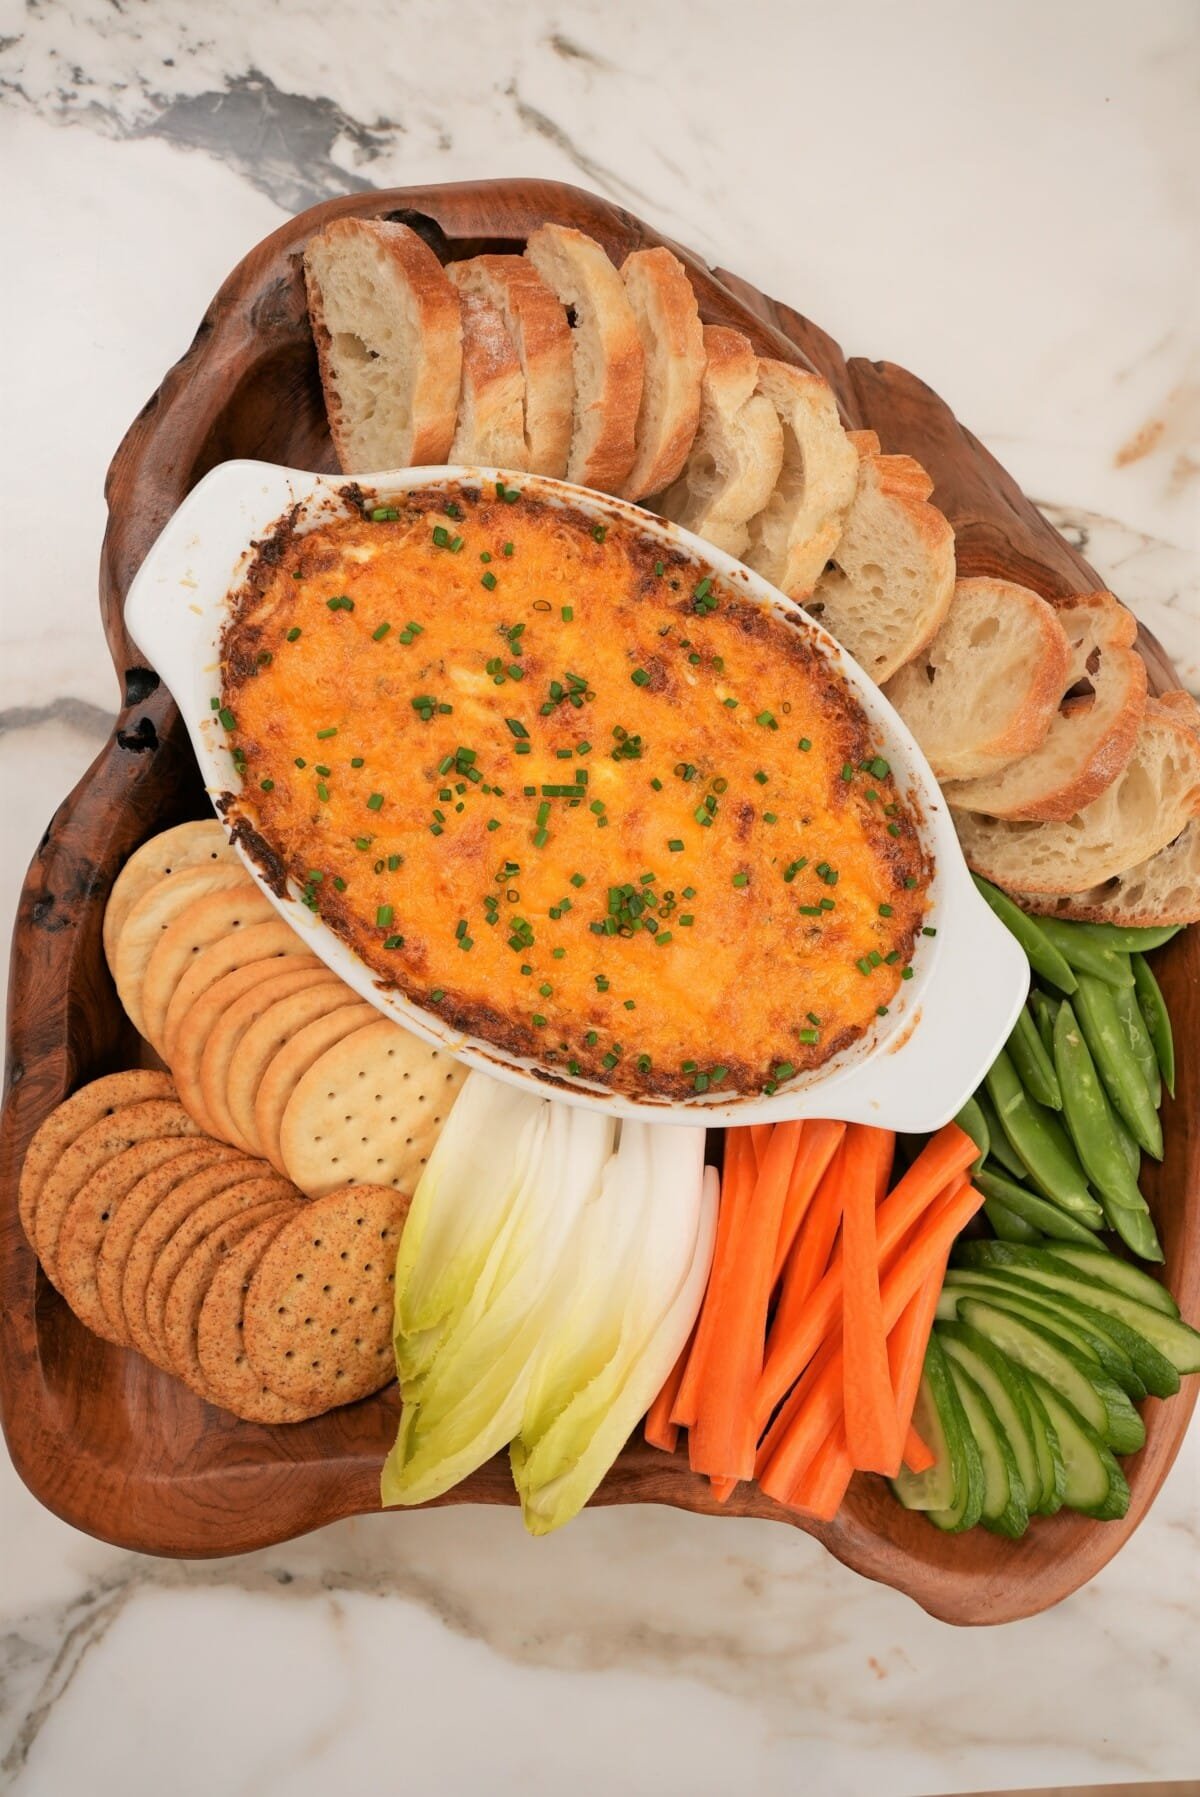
(1004, 200)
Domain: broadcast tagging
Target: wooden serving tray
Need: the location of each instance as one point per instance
(126, 1453)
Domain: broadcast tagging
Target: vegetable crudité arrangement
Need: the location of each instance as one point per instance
(561, 1276)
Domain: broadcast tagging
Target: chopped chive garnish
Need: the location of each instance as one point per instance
(741, 879)
(322, 735)
(342, 602)
(640, 677)
(885, 910)
(808, 1037)
(293, 633)
(906, 973)
(383, 916)
(487, 580)
(375, 801)
(599, 532)
(394, 942)
(267, 785)
(378, 634)
(767, 720)
(568, 613)
(227, 718)
(383, 513)
(928, 932)
(805, 743)
(847, 771)
(675, 844)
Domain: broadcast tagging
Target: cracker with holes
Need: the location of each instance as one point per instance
(204, 1081)
(243, 1070)
(318, 1317)
(226, 1377)
(149, 1121)
(290, 1065)
(368, 1112)
(158, 1226)
(153, 913)
(247, 1195)
(272, 945)
(93, 1208)
(212, 919)
(201, 844)
(221, 1012)
(67, 1122)
(181, 1312)
(139, 1202)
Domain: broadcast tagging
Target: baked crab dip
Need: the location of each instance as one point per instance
(570, 789)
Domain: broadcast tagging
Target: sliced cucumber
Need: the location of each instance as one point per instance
(1001, 1383)
(1094, 1482)
(1100, 1265)
(1040, 1305)
(1098, 1399)
(1005, 1503)
(1049, 1453)
(1154, 1371)
(1173, 1338)
(951, 1491)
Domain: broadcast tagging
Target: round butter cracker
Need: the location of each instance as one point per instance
(194, 1028)
(200, 844)
(67, 1122)
(264, 944)
(226, 1039)
(153, 914)
(137, 1205)
(369, 1111)
(209, 920)
(291, 1063)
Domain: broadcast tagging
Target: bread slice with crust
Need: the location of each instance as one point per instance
(541, 337)
(491, 405)
(389, 343)
(1165, 890)
(668, 323)
(737, 452)
(1093, 731)
(607, 353)
(985, 690)
(1148, 805)
(890, 578)
(798, 529)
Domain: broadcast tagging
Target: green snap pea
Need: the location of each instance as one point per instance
(1100, 1023)
(1158, 1022)
(1045, 1010)
(1138, 1037)
(1000, 1149)
(1007, 1226)
(972, 1120)
(1049, 1219)
(1039, 1140)
(1090, 1117)
(1136, 1229)
(1084, 954)
(1129, 1147)
(1035, 1069)
(1129, 942)
(1043, 957)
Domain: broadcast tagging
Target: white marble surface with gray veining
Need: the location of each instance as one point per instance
(1003, 199)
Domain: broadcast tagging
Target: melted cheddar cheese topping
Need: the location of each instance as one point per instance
(571, 790)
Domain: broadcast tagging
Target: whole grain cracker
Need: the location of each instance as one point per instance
(209, 920)
(216, 1023)
(258, 945)
(86, 1222)
(144, 1122)
(318, 1318)
(170, 852)
(171, 1211)
(246, 1195)
(67, 1122)
(138, 1204)
(227, 1035)
(293, 1061)
(264, 1039)
(153, 913)
(181, 1313)
(228, 1379)
(368, 1112)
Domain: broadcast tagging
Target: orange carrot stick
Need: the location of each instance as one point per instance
(819, 1142)
(660, 1431)
(820, 1492)
(737, 1183)
(722, 1439)
(794, 1342)
(812, 1409)
(760, 1135)
(917, 1457)
(723, 1489)
(873, 1435)
(906, 1354)
(810, 1253)
(885, 1155)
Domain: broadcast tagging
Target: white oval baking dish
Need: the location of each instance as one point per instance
(911, 1072)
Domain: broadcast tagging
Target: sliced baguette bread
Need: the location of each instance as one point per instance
(1092, 734)
(389, 343)
(541, 336)
(737, 453)
(890, 579)
(1148, 805)
(1165, 890)
(798, 529)
(607, 356)
(491, 405)
(668, 323)
(985, 690)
